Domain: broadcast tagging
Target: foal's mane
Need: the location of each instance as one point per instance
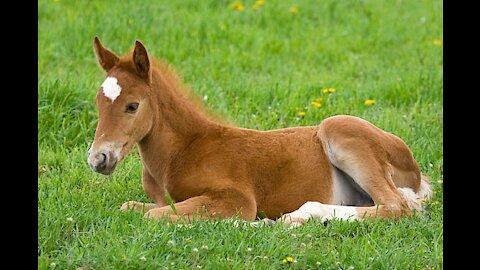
(174, 87)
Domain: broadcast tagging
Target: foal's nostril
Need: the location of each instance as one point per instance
(102, 159)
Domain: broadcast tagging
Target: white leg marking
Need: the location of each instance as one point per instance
(111, 89)
(321, 211)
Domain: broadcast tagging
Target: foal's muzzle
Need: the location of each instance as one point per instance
(103, 162)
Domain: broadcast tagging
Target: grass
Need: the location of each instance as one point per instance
(258, 69)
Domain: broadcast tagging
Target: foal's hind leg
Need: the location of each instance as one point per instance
(320, 211)
(365, 153)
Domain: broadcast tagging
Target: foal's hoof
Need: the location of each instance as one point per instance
(263, 222)
(136, 206)
(127, 206)
(292, 221)
(268, 221)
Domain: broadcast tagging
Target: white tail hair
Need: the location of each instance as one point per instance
(425, 191)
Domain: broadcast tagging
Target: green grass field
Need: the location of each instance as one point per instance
(258, 69)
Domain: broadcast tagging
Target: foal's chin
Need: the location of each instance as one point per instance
(105, 170)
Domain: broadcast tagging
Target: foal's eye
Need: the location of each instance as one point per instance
(131, 108)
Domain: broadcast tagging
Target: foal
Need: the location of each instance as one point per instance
(345, 168)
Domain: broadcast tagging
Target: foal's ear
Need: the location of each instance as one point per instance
(106, 58)
(140, 59)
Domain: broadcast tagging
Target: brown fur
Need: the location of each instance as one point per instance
(209, 166)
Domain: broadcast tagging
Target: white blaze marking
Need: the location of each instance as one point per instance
(111, 89)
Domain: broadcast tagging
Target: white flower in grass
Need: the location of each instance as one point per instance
(143, 258)
(249, 249)
(70, 219)
(195, 249)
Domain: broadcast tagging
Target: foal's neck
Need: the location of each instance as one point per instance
(177, 123)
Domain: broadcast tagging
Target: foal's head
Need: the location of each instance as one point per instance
(125, 106)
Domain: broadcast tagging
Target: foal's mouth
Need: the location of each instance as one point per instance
(107, 169)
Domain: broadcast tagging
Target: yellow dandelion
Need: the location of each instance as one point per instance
(437, 42)
(329, 90)
(288, 259)
(440, 181)
(237, 6)
(318, 99)
(316, 104)
(369, 102)
(293, 10)
(258, 4)
(301, 114)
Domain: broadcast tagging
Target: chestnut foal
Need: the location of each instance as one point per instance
(344, 168)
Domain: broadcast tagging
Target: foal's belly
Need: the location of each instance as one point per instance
(309, 178)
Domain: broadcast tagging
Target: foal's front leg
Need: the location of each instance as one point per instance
(153, 190)
(221, 204)
(138, 206)
(188, 208)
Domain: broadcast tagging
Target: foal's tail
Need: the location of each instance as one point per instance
(425, 191)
